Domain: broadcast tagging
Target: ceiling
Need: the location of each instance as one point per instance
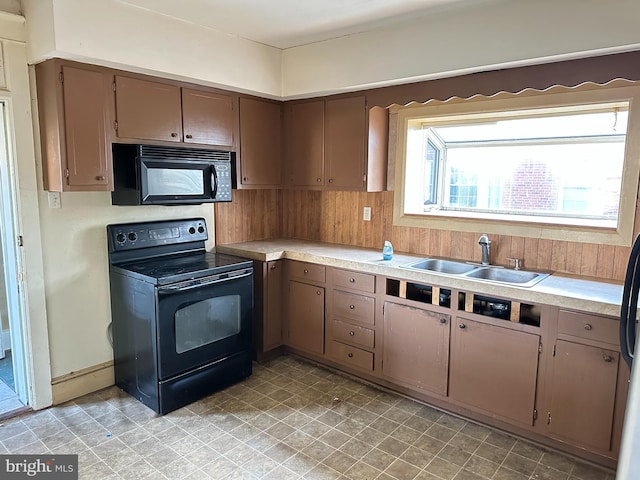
(289, 23)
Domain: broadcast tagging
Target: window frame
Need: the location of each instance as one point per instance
(410, 118)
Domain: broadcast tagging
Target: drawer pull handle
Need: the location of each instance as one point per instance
(352, 280)
(318, 292)
(587, 327)
(443, 321)
(306, 271)
(352, 307)
(462, 325)
(350, 355)
(607, 358)
(352, 333)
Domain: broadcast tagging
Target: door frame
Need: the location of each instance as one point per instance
(16, 93)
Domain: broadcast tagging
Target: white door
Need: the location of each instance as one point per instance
(11, 256)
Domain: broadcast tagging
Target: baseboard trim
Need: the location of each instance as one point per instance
(76, 384)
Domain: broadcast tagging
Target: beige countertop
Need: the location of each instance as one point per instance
(562, 291)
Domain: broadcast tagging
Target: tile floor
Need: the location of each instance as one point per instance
(289, 420)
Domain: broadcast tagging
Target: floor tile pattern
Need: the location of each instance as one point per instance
(289, 420)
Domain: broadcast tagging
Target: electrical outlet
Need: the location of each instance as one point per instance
(54, 199)
(366, 214)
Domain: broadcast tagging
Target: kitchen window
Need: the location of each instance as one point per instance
(549, 165)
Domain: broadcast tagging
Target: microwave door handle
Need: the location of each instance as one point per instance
(214, 181)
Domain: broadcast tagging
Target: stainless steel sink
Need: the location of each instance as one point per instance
(497, 274)
(441, 266)
(502, 275)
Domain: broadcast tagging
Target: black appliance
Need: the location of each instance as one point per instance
(181, 316)
(158, 175)
(629, 306)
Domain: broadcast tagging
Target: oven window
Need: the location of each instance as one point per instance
(206, 322)
(174, 181)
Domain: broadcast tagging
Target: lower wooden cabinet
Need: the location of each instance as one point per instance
(268, 281)
(416, 347)
(494, 369)
(306, 317)
(583, 394)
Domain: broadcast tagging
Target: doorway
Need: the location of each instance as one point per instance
(12, 372)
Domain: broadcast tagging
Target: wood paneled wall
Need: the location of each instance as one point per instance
(336, 217)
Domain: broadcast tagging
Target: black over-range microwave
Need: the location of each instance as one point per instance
(158, 175)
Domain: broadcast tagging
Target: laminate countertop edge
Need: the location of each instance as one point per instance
(574, 293)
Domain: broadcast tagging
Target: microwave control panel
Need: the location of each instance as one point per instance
(223, 176)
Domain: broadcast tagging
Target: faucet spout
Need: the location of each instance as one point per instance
(485, 245)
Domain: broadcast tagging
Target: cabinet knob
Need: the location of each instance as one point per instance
(350, 355)
(352, 333)
(443, 321)
(318, 179)
(587, 327)
(100, 178)
(306, 270)
(352, 307)
(462, 325)
(244, 179)
(318, 292)
(331, 180)
(607, 358)
(274, 266)
(188, 135)
(352, 280)
(174, 134)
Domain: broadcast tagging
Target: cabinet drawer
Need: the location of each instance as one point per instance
(601, 329)
(351, 356)
(354, 280)
(352, 334)
(352, 306)
(307, 271)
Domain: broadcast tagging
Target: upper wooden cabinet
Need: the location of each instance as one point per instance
(304, 143)
(337, 144)
(149, 110)
(75, 110)
(260, 144)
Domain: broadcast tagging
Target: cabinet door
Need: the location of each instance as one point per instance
(148, 110)
(272, 328)
(260, 143)
(494, 369)
(416, 347)
(208, 118)
(345, 142)
(87, 135)
(306, 317)
(304, 147)
(583, 394)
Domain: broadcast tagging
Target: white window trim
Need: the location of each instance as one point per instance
(622, 234)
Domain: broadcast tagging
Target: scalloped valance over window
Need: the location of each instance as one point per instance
(570, 73)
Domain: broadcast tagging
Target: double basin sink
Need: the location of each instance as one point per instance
(497, 274)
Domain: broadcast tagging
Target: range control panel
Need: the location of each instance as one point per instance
(130, 236)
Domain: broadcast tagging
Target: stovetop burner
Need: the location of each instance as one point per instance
(169, 269)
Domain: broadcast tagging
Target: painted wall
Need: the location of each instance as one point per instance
(453, 42)
(76, 271)
(112, 33)
(491, 34)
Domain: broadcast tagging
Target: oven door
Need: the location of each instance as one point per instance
(203, 320)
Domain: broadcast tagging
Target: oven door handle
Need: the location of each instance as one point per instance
(204, 282)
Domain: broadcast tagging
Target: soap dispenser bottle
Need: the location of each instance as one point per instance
(387, 250)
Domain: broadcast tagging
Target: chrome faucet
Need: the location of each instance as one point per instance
(485, 244)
